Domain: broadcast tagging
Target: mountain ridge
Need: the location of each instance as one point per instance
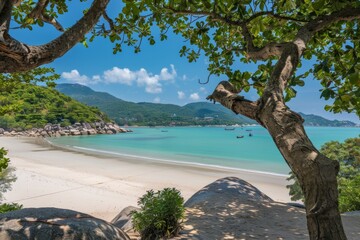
(145, 113)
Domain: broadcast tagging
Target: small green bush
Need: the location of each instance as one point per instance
(347, 153)
(349, 197)
(7, 207)
(6, 179)
(161, 214)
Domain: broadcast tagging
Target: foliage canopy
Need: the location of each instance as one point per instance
(230, 32)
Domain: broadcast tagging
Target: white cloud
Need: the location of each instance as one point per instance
(151, 82)
(96, 79)
(156, 100)
(74, 76)
(181, 94)
(166, 75)
(202, 89)
(194, 96)
(142, 77)
(118, 75)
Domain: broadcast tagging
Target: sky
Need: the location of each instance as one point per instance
(157, 74)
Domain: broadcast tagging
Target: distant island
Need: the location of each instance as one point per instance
(155, 114)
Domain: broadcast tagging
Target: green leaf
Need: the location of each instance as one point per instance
(328, 108)
(355, 78)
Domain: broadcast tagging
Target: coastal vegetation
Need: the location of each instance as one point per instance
(276, 37)
(26, 106)
(347, 153)
(7, 177)
(161, 214)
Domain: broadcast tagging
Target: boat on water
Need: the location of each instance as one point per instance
(240, 136)
(229, 128)
(164, 130)
(250, 135)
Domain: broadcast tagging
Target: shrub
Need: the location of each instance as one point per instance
(349, 197)
(7, 207)
(161, 214)
(7, 177)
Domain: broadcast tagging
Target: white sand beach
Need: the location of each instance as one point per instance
(103, 185)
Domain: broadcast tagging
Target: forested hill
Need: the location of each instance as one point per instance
(29, 106)
(205, 113)
(130, 113)
(314, 120)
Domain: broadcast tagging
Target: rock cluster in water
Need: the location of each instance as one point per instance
(55, 130)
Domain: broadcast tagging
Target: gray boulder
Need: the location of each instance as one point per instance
(227, 188)
(91, 131)
(84, 132)
(123, 219)
(231, 207)
(48, 127)
(56, 224)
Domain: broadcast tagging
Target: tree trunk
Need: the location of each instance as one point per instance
(315, 172)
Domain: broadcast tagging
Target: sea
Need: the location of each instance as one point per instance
(220, 147)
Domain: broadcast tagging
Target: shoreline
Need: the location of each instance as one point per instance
(102, 184)
(97, 152)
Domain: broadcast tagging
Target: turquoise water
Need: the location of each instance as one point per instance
(204, 145)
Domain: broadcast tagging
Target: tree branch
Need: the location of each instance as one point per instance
(217, 17)
(227, 95)
(6, 42)
(5, 17)
(254, 53)
(14, 60)
(292, 52)
(310, 29)
(109, 20)
(39, 13)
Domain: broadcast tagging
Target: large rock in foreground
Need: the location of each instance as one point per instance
(55, 223)
(226, 190)
(231, 208)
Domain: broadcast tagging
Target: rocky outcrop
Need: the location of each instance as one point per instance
(55, 223)
(77, 129)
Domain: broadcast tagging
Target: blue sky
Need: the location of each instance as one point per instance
(156, 74)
